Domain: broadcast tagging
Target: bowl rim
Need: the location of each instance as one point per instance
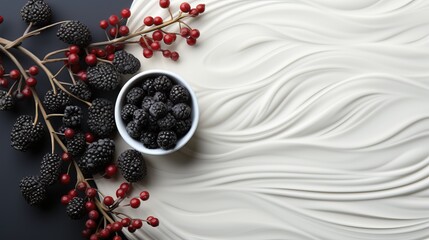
(137, 145)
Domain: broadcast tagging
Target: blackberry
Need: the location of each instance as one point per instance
(50, 169)
(81, 90)
(77, 144)
(76, 208)
(167, 123)
(33, 191)
(75, 33)
(6, 101)
(166, 140)
(158, 110)
(101, 119)
(148, 86)
(152, 125)
(134, 129)
(36, 12)
(132, 165)
(149, 140)
(181, 111)
(72, 116)
(162, 84)
(147, 103)
(169, 104)
(127, 112)
(56, 102)
(141, 117)
(97, 156)
(183, 127)
(103, 77)
(179, 94)
(135, 95)
(24, 134)
(126, 63)
(159, 97)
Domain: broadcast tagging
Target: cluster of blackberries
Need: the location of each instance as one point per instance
(132, 165)
(157, 112)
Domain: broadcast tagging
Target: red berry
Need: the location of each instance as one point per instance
(194, 12)
(155, 46)
(66, 157)
(113, 20)
(90, 224)
(131, 229)
(144, 195)
(105, 233)
(111, 170)
(119, 46)
(148, 21)
(191, 41)
(164, 3)
(117, 226)
(168, 39)
(69, 133)
(81, 186)
(201, 8)
(82, 76)
(184, 32)
(65, 199)
(195, 33)
(75, 68)
(109, 227)
(27, 92)
(86, 233)
(4, 83)
(126, 222)
(1, 19)
(104, 24)
(175, 56)
(157, 35)
(124, 30)
(89, 138)
(137, 223)
(185, 7)
(1, 71)
(110, 49)
(91, 59)
(125, 13)
(166, 53)
(147, 53)
(120, 193)
(111, 57)
(31, 82)
(126, 186)
(100, 53)
(73, 193)
(65, 179)
(94, 237)
(15, 74)
(90, 206)
(113, 31)
(91, 192)
(73, 58)
(157, 20)
(149, 218)
(135, 203)
(34, 70)
(108, 201)
(117, 238)
(74, 49)
(154, 222)
(93, 214)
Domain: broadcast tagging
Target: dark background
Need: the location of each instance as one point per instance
(19, 220)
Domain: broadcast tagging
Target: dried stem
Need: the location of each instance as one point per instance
(55, 52)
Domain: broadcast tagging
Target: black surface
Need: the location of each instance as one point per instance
(18, 220)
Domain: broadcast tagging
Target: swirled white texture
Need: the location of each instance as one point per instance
(314, 123)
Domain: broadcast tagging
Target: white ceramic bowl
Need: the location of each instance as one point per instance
(136, 81)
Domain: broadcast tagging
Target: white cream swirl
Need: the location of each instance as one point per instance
(314, 123)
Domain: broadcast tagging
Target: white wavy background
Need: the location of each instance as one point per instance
(314, 123)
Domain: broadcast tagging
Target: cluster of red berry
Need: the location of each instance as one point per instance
(15, 76)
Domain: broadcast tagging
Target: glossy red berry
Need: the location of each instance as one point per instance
(113, 31)
(15, 74)
(111, 57)
(185, 7)
(89, 137)
(93, 214)
(157, 35)
(166, 53)
(104, 24)
(74, 49)
(94, 237)
(65, 199)
(201, 8)
(148, 21)
(195, 33)
(4, 82)
(135, 203)
(91, 192)
(168, 39)
(91, 59)
(91, 224)
(137, 223)
(157, 20)
(185, 32)
(154, 222)
(147, 53)
(73, 193)
(101, 53)
(86, 233)
(105, 233)
(126, 186)
(117, 238)
(194, 12)
(164, 3)
(31, 82)
(191, 41)
(113, 20)
(110, 49)
(66, 157)
(89, 206)
(131, 229)
(69, 133)
(81, 186)
(73, 58)
(26, 92)
(33, 70)
(111, 170)
(175, 56)
(65, 179)
(144, 195)
(125, 13)
(117, 226)
(126, 222)
(108, 201)
(155, 46)
(120, 193)
(124, 30)
(82, 76)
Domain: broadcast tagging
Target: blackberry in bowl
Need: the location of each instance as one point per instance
(156, 112)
